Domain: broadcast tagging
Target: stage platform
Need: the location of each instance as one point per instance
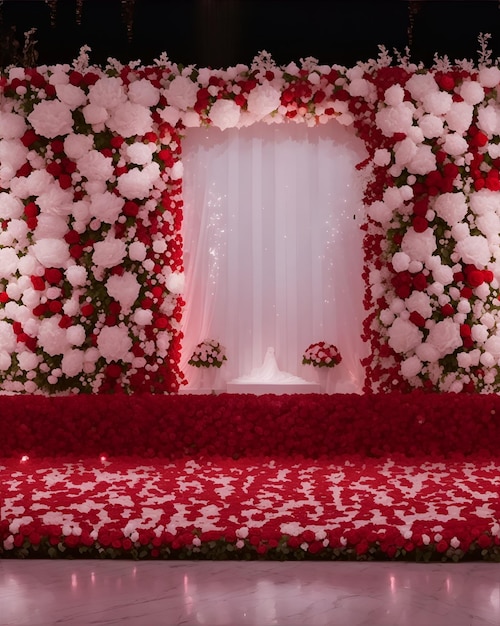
(236, 477)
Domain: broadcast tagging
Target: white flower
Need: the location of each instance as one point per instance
(423, 161)
(400, 261)
(137, 251)
(455, 145)
(144, 93)
(437, 102)
(485, 201)
(51, 118)
(380, 212)
(38, 182)
(124, 289)
(12, 156)
(404, 336)
(182, 93)
(420, 302)
(12, 126)
(10, 206)
(136, 183)
(93, 165)
(479, 333)
(55, 200)
(109, 252)
(451, 207)
(488, 119)
(225, 114)
(114, 342)
(411, 367)
(72, 363)
(76, 275)
(71, 95)
(130, 119)
(50, 227)
(106, 206)
(445, 337)
(394, 95)
(382, 157)
(404, 152)
(393, 120)
(76, 335)
(489, 225)
(143, 317)
(75, 145)
(51, 252)
(175, 282)
(419, 246)
(51, 337)
(107, 93)
(492, 345)
(94, 114)
(489, 76)
(7, 337)
(262, 100)
(431, 126)
(471, 91)
(419, 85)
(139, 153)
(474, 250)
(459, 117)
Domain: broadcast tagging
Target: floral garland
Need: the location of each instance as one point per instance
(90, 208)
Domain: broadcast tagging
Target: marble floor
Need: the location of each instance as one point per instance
(187, 593)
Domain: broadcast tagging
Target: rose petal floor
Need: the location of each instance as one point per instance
(249, 508)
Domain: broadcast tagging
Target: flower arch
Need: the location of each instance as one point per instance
(91, 270)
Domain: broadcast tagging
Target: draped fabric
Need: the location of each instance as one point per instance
(273, 248)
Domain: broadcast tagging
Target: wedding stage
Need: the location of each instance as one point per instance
(413, 476)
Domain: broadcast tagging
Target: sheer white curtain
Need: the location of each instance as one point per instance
(272, 246)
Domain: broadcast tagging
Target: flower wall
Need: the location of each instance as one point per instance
(90, 249)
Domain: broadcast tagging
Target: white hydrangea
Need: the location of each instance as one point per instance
(182, 93)
(143, 92)
(51, 252)
(404, 336)
(109, 252)
(93, 165)
(419, 246)
(474, 250)
(107, 93)
(130, 119)
(106, 206)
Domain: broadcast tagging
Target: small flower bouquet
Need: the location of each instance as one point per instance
(208, 353)
(322, 354)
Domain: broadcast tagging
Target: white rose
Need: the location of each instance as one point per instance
(451, 207)
(124, 289)
(51, 118)
(182, 93)
(139, 153)
(474, 250)
(419, 246)
(445, 337)
(423, 161)
(75, 146)
(72, 363)
(403, 336)
(225, 114)
(492, 345)
(143, 92)
(71, 95)
(137, 251)
(114, 343)
(263, 100)
(76, 335)
(472, 92)
(107, 93)
(93, 165)
(437, 102)
(106, 206)
(109, 252)
(411, 367)
(51, 252)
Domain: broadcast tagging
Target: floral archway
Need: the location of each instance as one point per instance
(91, 270)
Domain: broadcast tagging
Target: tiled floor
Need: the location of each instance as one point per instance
(84, 593)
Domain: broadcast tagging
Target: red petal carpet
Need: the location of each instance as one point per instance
(238, 476)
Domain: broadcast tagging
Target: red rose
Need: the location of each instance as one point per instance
(465, 330)
(420, 224)
(53, 275)
(484, 541)
(417, 319)
(87, 309)
(447, 310)
(38, 283)
(420, 282)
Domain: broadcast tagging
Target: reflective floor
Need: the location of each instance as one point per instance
(46, 593)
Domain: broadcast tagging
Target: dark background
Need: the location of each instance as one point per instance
(220, 33)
